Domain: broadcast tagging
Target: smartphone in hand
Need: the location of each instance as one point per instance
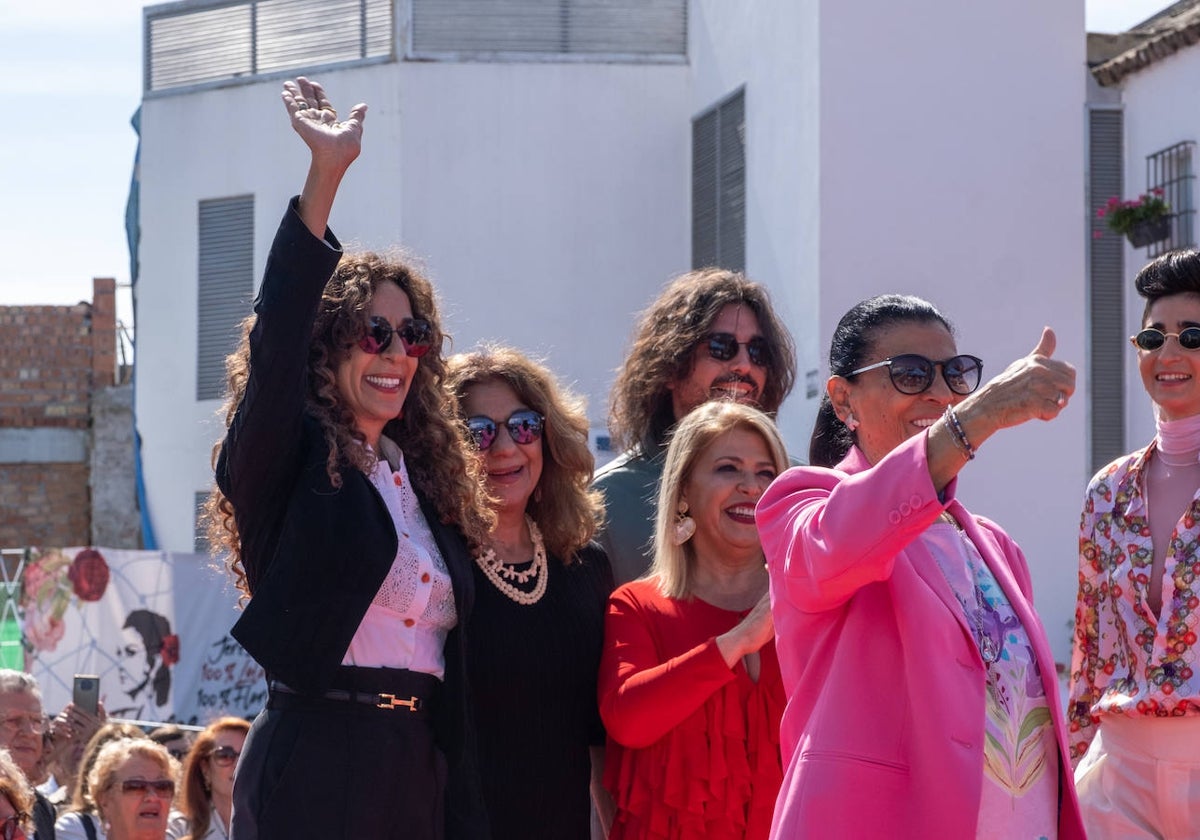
(86, 695)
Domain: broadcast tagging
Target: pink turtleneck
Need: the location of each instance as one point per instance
(1171, 483)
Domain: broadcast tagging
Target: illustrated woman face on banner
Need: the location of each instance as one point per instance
(147, 651)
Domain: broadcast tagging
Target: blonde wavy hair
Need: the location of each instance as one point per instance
(695, 433)
(436, 450)
(567, 510)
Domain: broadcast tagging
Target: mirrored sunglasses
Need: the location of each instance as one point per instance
(913, 374)
(225, 756)
(162, 788)
(416, 335)
(1152, 339)
(724, 346)
(524, 426)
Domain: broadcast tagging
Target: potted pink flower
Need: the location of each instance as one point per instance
(1144, 220)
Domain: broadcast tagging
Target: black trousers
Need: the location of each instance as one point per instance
(318, 767)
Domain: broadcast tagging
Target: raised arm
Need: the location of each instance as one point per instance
(334, 146)
(1036, 386)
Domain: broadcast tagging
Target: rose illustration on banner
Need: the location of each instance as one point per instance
(170, 650)
(88, 575)
(44, 599)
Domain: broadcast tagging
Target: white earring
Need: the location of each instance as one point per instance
(850, 422)
(685, 526)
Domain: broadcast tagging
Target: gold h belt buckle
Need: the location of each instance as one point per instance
(391, 701)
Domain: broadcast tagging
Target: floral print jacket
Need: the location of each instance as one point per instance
(1127, 661)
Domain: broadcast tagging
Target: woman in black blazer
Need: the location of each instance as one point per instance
(347, 500)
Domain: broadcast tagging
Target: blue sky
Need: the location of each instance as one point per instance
(74, 71)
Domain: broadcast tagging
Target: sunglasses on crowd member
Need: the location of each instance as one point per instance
(913, 374)
(10, 826)
(724, 346)
(1152, 339)
(225, 756)
(162, 788)
(524, 426)
(416, 335)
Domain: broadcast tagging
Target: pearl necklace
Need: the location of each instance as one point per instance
(500, 573)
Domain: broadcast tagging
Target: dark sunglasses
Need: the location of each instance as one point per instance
(724, 346)
(163, 788)
(524, 426)
(416, 334)
(225, 756)
(11, 825)
(1152, 339)
(913, 374)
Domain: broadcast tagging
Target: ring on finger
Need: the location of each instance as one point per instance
(1062, 399)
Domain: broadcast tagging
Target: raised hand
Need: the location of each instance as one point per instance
(335, 142)
(750, 634)
(1034, 386)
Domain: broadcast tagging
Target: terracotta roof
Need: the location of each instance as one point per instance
(1162, 35)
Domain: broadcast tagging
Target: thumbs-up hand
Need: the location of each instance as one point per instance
(1034, 386)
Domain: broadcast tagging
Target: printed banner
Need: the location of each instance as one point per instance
(153, 625)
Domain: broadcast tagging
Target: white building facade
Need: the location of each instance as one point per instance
(832, 150)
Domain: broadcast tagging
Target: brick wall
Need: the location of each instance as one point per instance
(54, 360)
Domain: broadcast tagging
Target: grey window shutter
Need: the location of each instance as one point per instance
(225, 286)
(200, 543)
(640, 29)
(189, 46)
(1106, 270)
(719, 186)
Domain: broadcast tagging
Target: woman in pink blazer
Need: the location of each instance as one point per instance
(922, 697)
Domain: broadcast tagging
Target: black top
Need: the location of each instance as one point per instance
(315, 555)
(43, 817)
(532, 670)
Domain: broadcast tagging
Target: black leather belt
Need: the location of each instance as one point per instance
(379, 700)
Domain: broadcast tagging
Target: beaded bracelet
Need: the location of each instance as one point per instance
(960, 436)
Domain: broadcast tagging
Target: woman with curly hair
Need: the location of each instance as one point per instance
(347, 498)
(541, 586)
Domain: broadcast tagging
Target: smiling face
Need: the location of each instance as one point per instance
(1170, 374)
(374, 386)
(137, 814)
(513, 469)
(737, 379)
(885, 416)
(724, 484)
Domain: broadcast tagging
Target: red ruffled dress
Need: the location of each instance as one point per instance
(693, 746)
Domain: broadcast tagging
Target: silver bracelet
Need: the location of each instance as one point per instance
(960, 436)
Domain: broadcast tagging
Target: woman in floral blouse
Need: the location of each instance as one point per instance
(1134, 718)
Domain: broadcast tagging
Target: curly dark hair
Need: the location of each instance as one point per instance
(566, 509)
(640, 408)
(435, 445)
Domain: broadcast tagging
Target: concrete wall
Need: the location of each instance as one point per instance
(1154, 120)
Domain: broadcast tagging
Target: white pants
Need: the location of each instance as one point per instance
(1141, 778)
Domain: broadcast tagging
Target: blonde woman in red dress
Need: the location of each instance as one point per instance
(690, 690)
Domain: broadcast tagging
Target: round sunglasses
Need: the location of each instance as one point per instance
(524, 426)
(724, 346)
(416, 336)
(1152, 339)
(913, 374)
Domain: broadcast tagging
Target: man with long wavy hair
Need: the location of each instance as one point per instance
(711, 334)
